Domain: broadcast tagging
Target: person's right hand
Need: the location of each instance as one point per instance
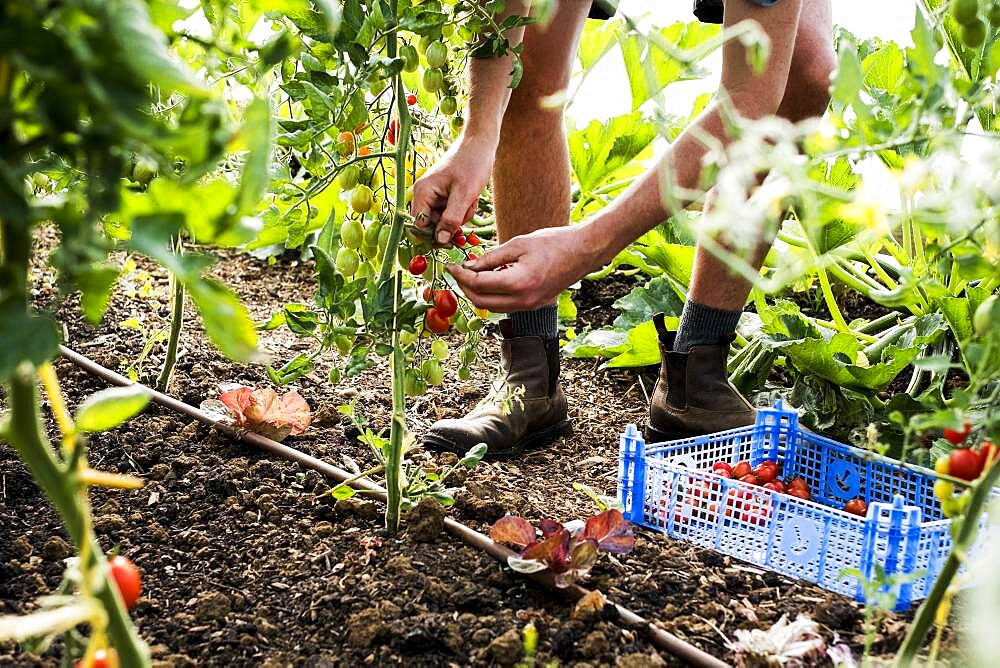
(446, 197)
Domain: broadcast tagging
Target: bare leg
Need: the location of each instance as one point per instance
(806, 95)
(531, 175)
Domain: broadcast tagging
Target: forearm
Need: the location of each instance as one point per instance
(490, 78)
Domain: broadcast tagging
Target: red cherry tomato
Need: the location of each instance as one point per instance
(393, 129)
(957, 436)
(436, 322)
(775, 485)
(798, 483)
(766, 472)
(363, 151)
(964, 463)
(856, 507)
(723, 469)
(103, 658)
(418, 265)
(458, 240)
(445, 302)
(750, 478)
(799, 493)
(127, 578)
(473, 256)
(427, 293)
(473, 239)
(411, 99)
(741, 469)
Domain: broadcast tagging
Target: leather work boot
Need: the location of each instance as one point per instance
(693, 395)
(539, 416)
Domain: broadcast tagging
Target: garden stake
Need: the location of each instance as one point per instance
(666, 641)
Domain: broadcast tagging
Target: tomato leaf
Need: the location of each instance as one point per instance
(109, 408)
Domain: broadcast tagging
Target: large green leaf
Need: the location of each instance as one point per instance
(638, 306)
(26, 338)
(597, 40)
(675, 260)
(258, 137)
(643, 347)
(885, 68)
(600, 149)
(650, 69)
(130, 25)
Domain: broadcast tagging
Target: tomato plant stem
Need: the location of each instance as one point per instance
(176, 324)
(964, 537)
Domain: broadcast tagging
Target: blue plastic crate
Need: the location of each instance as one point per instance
(670, 487)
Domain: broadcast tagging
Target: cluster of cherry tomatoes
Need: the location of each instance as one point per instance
(766, 476)
(964, 463)
(438, 318)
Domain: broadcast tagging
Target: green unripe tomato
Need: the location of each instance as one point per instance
(448, 29)
(344, 343)
(449, 105)
(352, 235)
(414, 385)
(440, 349)
(432, 372)
(456, 123)
(433, 80)
(372, 232)
(476, 324)
(974, 34)
(383, 237)
(348, 177)
(464, 373)
(366, 174)
(143, 171)
(993, 14)
(437, 54)
(467, 356)
(965, 12)
(40, 181)
(348, 261)
(408, 338)
(404, 255)
(365, 271)
(410, 58)
(461, 323)
(369, 251)
(985, 318)
(362, 199)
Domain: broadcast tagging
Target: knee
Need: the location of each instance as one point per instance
(530, 108)
(809, 84)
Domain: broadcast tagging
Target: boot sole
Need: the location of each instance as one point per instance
(535, 440)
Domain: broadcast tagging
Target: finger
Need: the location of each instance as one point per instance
(426, 200)
(507, 253)
(496, 303)
(454, 215)
(507, 282)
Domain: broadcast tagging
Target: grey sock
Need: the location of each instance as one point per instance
(703, 325)
(543, 322)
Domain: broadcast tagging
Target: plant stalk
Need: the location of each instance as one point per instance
(176, 325)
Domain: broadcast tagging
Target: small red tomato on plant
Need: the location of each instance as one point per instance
(856, 507)
(127, 578)
(741, 469)
(957, 436)
(775, 485)
(418, 265)
(473, 256)
(393, 129)
(445, 302)
(427, 293)
(988, 453)
(436, 322)
(363, 151)
(723, 469)
(750, 478)
(473, 239)
(964, 463)
(411, 99)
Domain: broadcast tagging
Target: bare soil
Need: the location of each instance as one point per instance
(247, 562)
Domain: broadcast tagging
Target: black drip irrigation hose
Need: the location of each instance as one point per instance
(668, 642)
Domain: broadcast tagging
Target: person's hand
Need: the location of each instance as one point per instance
(446, 197)
(529, 271)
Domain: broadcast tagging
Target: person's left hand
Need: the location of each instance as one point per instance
(528, 271)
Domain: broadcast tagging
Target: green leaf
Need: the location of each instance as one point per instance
(26, 338)
(109, 408)
(643, 347)
(294, 369)
(849, 77)
(567, 309)
(650, 69)
(675, 260)
(258, 136)
(600, 149)
(95, 290)
(595, 343)
(227, 321)
(473, 456)
(129, 24)
(638, 306)
(885, 69)
(598, 38)
(300, 319)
